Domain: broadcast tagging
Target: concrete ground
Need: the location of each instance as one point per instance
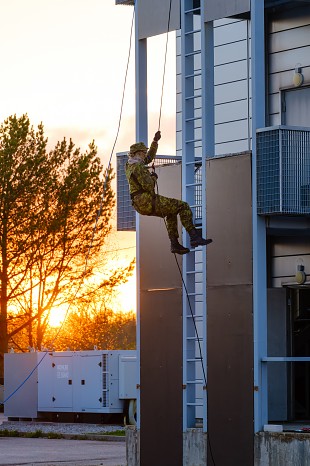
(19, 451)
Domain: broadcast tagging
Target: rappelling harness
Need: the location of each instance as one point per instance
(142, 191)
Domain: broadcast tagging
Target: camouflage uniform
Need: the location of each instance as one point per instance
(147, 202)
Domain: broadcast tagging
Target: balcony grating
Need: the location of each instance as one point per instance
(126, 215)
(283, 171)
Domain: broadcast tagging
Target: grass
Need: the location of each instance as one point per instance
(54, 435)
(119, 433)
(9, 433)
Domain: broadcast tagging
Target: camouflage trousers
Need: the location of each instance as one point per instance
(165, 207)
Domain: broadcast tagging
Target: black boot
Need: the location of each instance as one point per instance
(177, 248)
(196, 238)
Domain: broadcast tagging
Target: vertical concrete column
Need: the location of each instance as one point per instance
(259, 228)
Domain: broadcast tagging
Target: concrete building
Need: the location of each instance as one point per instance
(225, 348)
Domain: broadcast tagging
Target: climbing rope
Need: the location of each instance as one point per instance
(180, 271)
(165, 63)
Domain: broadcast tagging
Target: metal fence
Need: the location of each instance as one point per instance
(126, 215)
(283, 170)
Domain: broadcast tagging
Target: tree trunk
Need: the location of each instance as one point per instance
(3, 302)
(3, 318)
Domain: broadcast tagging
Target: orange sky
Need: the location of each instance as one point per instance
(63, 63)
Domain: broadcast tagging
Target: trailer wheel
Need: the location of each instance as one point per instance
(132, 412)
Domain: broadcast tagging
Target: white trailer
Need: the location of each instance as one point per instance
(77, 382)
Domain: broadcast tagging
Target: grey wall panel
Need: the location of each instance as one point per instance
(229, 220)
(232, 32)
(232, 52)
(232, 131)
(153, 19)
(229, 308)
(231, 111)
(288, 45)
(285, 40)
(160, 336)
(216, 9)
(284, 79)
(295, 18)
(274, 120)
(231, 72)
(274, 103)
(283, 61)
(286, 267)
(286, 246)
(287, 253)
(231, 92)
(232, 147)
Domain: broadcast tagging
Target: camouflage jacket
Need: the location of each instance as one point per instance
(141, 178)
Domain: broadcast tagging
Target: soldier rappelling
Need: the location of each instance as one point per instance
(146, 202)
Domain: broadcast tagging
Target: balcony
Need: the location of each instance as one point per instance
(283, 170)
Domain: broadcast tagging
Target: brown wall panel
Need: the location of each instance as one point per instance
(229, 308)
(161, 378)
(160, 337)
(229, 220)
(230, 374)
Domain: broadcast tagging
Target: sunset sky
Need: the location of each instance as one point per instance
(63, 63)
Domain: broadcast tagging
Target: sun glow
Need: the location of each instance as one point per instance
(127, 296)
(57, 316)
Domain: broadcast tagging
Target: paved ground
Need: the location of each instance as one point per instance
(19, 451)
(50, 452)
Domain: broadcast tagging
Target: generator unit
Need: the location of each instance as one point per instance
(100, 381)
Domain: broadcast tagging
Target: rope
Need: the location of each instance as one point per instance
(193, 319)
(114, 144)
(164, 72)
(96, 222)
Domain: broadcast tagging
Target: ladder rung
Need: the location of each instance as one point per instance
(194, 404)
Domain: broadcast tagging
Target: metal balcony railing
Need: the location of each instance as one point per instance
(283, 170)
(126, 215)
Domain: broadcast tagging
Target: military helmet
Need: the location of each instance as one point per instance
(138, 146)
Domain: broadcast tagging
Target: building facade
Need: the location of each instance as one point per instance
(231, 360)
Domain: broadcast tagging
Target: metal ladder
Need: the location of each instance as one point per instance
(194, 263)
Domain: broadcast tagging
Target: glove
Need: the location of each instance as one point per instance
(154, 175)
(157, 136)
